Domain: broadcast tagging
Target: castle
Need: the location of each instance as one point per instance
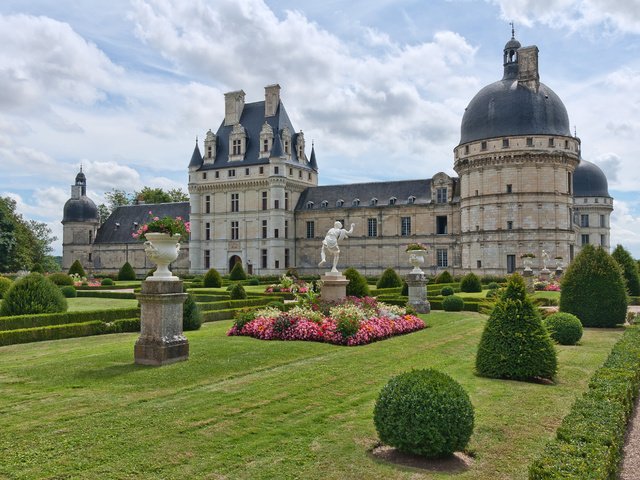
(522, 187)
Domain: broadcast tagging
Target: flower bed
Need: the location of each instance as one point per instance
(352, 322)
(288, 285)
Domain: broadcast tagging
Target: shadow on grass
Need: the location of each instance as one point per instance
(457, 463)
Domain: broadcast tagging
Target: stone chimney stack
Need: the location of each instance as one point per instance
(271, 99)
(528, 68)
(233, 105)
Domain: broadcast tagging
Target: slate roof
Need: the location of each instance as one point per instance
(589, 181)
(122, 222)
(80, 210)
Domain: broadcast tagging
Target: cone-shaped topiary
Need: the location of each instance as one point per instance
(237, 292)
(33, 294)
(564, 328)
(389, 279)
(357, 286)
(126, 272)
(629, 270)
(424, 412)
(444, 277)
(515, 344)
(594, 290)
(237, 272)
(470, 283)
(212, 279)
(5, 283)
(191, 316)
(76, 267)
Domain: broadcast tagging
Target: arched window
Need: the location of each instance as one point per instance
(324, 204)
(356, 202)
(309, 205)
(373, 202)
(393, 200)
(411, 199)
(340, 203)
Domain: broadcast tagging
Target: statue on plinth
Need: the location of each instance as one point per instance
(545, 260)
(330, 244)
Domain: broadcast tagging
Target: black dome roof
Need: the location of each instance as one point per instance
(507, 108)
(80, 210)
(589, 181)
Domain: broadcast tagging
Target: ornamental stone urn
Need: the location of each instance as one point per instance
(162, 249)
(416, 259)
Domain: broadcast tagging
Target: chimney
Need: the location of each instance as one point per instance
(233, 105)
(271, 99)
(528, 68)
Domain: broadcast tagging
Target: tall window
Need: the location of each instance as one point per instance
(442, 257)
(232, 172)
(505, 143)
(237, 146)
(286, 258)
(584, 239)
(509, 188)
(235, 202)
(509, 224)
(372, 227)
(276, 233)
(584, 221)
(264, 229)
(264, 257)
(405, 226)
(276, 204)
(90, 236)
(286, 200)
(311, 229)
(207, 259)
(207, 231)
(265, 202)
(603, 240)
(286, 229)
(276, 170)
(511, 263)
(441, 195)
(603, 221)
(235, 230)
(265, 145)
(441, 225)
(207, 204)
(529, 141)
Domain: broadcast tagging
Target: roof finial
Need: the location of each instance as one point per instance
(196, 139)
(513, 30)
(312, 143)
(80, 167)
(575, 131)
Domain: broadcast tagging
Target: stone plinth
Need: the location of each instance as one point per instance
(161, 338)
(417, 283)
(559, 272)
(545, 274)
(528, 279)
(334, 286)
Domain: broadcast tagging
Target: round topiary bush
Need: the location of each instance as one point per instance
(444, 277)
(33, 294)
(126, 272)
(60, 279)
(212, 279)
(452, 303)
(629, 270)
(493, 286)
(76, 267)
(237, 292)
(5, 284)
(357, 286)
(389, 279)
(237, 272)
(470, 283)
(69, 291)
(254, 281)
(106, 282)
(594, 290)
(514, 343)
(191, 316)
(564, 328)
(424, 412)
(446, 291)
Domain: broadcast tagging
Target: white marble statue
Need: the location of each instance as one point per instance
(545, 259)
(330, 244)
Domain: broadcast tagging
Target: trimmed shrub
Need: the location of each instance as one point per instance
(389, 279)
(594, 290)
(46, 319)
(452, 303)
(254, 281)
(76, 267)
(493, 286)
(124, 325)
(126, 272)
(446, 291)
(470, 283)
(564, 328)
(69, 291)
(357, 286)
(212, 279)
(54, 332)
(60, 279)
(405, 289)
(629, 270)
(444, 277)
(33, 294)
(424, 412)
(237, 292)
(514, 343)
(5, 284)
(191, 317)
(106, 282)
(237, 272)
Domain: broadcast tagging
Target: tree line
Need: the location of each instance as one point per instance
(117, 198)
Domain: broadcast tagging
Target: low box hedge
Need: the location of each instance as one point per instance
(104, 287)
(226, 304)
(124, 325)
(101, 294)
(215, 315)
(46, 319)
(210, 298)
(634, 300)
(52, 332)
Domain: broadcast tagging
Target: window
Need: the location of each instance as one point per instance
(264, 229)
(286, 229)
(311, 229)
(552, 142)
(277, 263)
(299, 173)
(441, 195)
(276, 204)
(276, 170)
(204, 175)
(442, 257)
(235, 202)
(569, 183)
(373, 202)
(236, 147)
(90, 257)
(603, 221)
(276, 233)
(217, 174)
(235, 230)
(207, 231)
(483, 145)
(208, 152)
(584, 239)
(372, 227)
(405, 226)
(529, 141)
(509, 224)
(411, 199)
(340, 203)
(393, 200)
(441, 225)
(286, 258)
(309, 176)
(286, 200)
(509, 188)
(584, 221)
(466, 149)
(90, 236)
(309, 205)
(232, 173)
(511, 263)
(265, 145)
(246, 171)
(505, 143)
(264, 257)
(207, 259)
(290, 172)
(324, 204)
(261, 170)
(603, 241)
(356, 202)
(207, 204)
(265, 202)
(566, 144)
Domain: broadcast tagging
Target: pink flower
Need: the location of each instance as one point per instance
(155, 219)
(187, 225)
(135, 235)
(150, 212)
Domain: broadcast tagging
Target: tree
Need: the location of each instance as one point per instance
(629, 269)
(152, 195)
(118, 198)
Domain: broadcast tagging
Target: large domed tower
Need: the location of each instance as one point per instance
(515, 160)
(80, 222)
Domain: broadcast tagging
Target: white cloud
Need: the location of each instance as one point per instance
(625, 225)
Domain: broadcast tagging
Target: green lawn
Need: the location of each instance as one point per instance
(91, 303)
(241, 408)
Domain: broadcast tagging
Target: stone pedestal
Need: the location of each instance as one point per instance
(545, 274)
(559, 272)
(418, 292)
(528, 279)
(334, 286)
(161, 338)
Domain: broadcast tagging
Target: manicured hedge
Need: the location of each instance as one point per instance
(52, 332)
(215, 315)
(46, 319)
(225, 304)
(124, 325)
(99, 294)
(105, 287)
(589, 441)
(210, 298)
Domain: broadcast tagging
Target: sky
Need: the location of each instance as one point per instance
(124, 87)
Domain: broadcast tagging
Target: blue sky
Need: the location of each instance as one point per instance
(124, 87)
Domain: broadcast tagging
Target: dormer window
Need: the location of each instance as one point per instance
(340, 203)
(356, 202)
(324, 204)
(266, 140)
(393, 200)
(505, 143)
(309, 205)
(286, 142)
(300, 146)
(210, 147)
(373, 202)
(411, 199)
(238, 142)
